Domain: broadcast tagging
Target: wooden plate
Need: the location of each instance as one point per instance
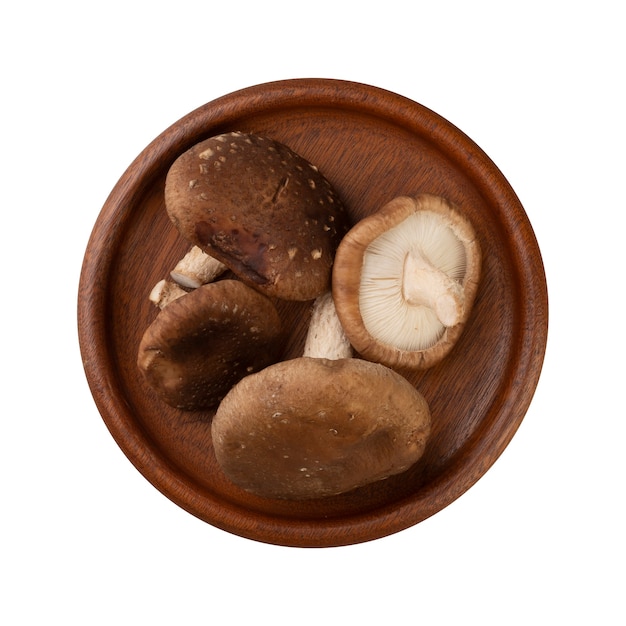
(372, 145)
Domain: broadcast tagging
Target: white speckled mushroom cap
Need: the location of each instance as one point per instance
(261, 209)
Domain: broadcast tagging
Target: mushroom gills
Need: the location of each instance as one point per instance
(411, 282)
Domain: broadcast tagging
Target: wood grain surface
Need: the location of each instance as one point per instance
(372, 145)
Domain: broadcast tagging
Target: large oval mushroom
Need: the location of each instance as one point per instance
(314, 427)
(204, 341)
(405, 279)
(261, 209)
(310, 428)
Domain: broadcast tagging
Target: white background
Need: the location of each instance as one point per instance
(86, 539)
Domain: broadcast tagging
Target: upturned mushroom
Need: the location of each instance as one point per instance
(203, 342)
(405, 280)
(317, 427)
(261, 209)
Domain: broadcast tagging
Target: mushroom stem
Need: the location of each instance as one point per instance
(326, 338)
(423, 284)
(165, 292)
(197, 268)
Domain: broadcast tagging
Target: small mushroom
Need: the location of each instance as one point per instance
(316, 427)
(261, 209)
(405, 279)
(203, 342)
(196, 268)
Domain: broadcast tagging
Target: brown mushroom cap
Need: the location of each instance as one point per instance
(202, 343)
(261, 209)
(405, 279)
(308, 427)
